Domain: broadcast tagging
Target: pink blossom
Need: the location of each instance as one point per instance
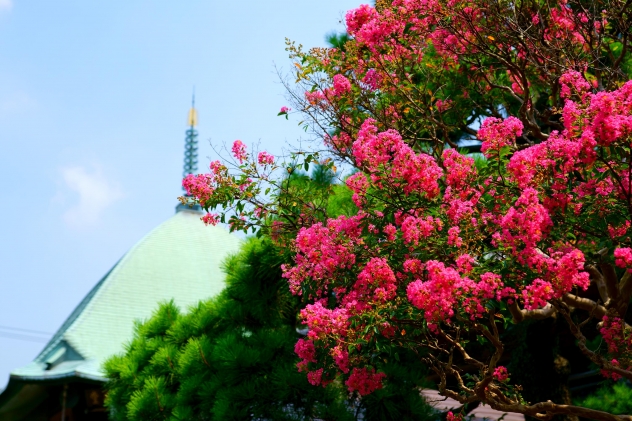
(459, 169)
(609, 374)
(537, 294)
(265, 158)
(315, 377)
(439, 295)
(566, 271)
(491, 286)
(322, 251)
(341, 358)
(464, 263)
(210, 219)
(359, 185)
(415, 229)
(356, 18)
(199, 186)
(623, 258)
(525, 223)
(454, 417)
(371, 79)
(377, 274)
(365, 381)
(501, 374)
(323, 322)
(443, 105)
(573, 82)
(386, 156)
(316, 98)
(239, 151)
(305, 349)
(284, 110)
(390, 230)
(413, 266)
(453, 237)
(618, 231)
(341, 85)
(613, 333)
(496, 133)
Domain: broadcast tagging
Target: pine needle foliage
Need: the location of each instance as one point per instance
(615, 398)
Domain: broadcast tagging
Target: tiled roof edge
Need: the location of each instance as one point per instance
(75, 313)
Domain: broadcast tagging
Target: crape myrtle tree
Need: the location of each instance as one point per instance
(443, 256)
(232, 357)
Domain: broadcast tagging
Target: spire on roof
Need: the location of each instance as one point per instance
(191, 142)
(190, 154)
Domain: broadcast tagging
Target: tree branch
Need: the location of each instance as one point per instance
(625, 292)
(585, 304)
(612, 281)
(596, 276)
(519, 314)
(581, 343)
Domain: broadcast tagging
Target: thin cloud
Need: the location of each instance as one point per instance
(96, 194)
(5, 5)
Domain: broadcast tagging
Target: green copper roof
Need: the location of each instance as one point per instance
(180, 260)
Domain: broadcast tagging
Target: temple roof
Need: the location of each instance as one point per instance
(180, 260)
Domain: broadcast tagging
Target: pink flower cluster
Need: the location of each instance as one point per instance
(537, 294)
(239, 151)
(619, 341)
(623, 258)
(210, 219)
(613, 333)
(450, 416)
(459, 169)
(501, 374)
(323, 322)
(305, 350)
(572, 82)
(371, 79)
(359, 185)
(524, 224)
(557, 157)
(341, 358)
(496, 133)
(356, 18)
(439, 295)
(609, 374)
(415, 229)
(377, 276)
(315, 377)
(370, 28)
(453, 237)
(316, 98)
(199, 186)
(365, 381)
(341, 85)
(611, 115)
(265, 158)
(387, 157)
(322, 251)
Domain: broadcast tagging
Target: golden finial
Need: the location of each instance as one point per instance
(192, 120)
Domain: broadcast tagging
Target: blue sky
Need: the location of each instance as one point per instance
(93, 104)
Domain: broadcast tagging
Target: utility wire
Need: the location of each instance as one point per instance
(23, 337)
(25, 330)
